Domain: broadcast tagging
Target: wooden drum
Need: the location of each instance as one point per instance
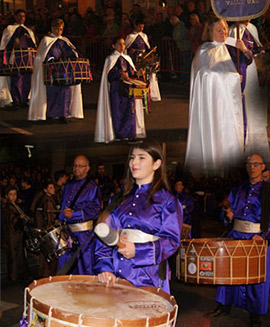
(66, 72)
(82, 301)
(17, 61)
(222, 261)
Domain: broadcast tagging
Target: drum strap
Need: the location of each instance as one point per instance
(104, 214)
(79, 192)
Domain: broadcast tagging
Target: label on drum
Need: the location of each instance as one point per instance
(192, 268)
(206, 266)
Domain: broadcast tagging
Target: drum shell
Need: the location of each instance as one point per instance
(222, 261)
(68, 72)
(61, 318)
(17, 61)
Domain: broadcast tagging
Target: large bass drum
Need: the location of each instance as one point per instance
(80, 300)
(17, 61)
(222, 261)
(65, 72)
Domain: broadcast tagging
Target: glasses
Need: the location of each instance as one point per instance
(79, 166)
(255, 164)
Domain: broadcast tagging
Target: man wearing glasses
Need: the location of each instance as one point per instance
(249, 222)
(80, 205)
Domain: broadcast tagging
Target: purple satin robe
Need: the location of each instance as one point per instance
(123, 119)
(59, 97)
(246, 205)
(20, 84)
(163, 218)
(137, 44)
(86, 208)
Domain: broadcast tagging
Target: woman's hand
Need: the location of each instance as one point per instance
(124, 75)
(128, 250)
(241, 45)
(107, 278)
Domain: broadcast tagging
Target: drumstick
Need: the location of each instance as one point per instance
(148, 54)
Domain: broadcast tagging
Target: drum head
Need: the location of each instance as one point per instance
(86, 297)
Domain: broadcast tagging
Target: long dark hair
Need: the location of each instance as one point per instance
(160, 180)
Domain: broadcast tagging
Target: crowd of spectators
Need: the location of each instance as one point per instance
(109, 22)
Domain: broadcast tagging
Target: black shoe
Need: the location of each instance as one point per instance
(220, 310)
(255, 320)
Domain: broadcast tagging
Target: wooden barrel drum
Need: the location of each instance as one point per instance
(222, 261)
(82, 301)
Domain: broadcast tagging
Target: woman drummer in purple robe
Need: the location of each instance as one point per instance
(119, 116)
(149, 219)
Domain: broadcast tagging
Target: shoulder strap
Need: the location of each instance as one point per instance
(79, 192)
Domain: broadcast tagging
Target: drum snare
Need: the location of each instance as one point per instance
(56, 241)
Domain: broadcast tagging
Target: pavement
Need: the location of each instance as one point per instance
(193, 300)
(167, 122)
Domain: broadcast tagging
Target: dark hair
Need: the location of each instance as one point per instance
(18, 11)
(116, 39)
(153, 148)
(10, 188)
(58, 174)
(47, 183)
(57, 23)
(138, 21)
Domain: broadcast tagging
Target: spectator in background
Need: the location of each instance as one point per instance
(185, 200)
(157, 30)
(168, 28)
(136, 14)
(14, 230)
(26, 194)
(194, 33)
(183, 44)
(125, 27)
(181, 14)
(202, 11)
(92, 23)
(110, 31)
(60, 178)
(104, 182)
(47, 221)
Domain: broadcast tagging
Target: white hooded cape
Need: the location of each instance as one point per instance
(38, 101)
(216, 132)
(256, 109)
(154, 88)
(104, 127)
(5, 96)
